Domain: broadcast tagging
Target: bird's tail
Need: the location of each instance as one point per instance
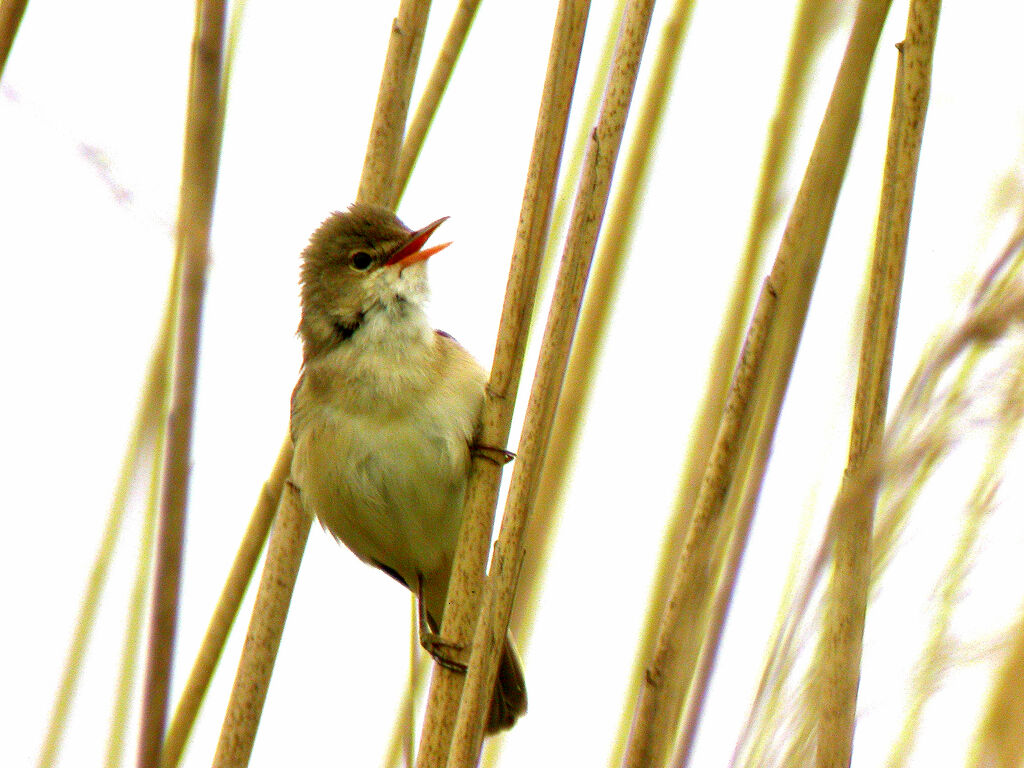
(508, 703)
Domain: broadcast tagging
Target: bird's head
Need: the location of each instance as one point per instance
(359, 262)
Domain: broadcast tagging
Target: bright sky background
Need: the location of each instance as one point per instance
(86, 258)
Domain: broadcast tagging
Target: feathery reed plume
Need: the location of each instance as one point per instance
(936, 408)
(843, 626)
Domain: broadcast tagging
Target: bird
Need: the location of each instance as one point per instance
(384, 418)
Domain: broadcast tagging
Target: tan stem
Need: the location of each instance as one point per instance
(224, 614)
(440, 75)
(602, 287)
(263, 638)
(591, 202)
(755, 396)
(150, 411)
(195, 212)
(378, 183)
(291, 523)
(510, 347)
(807, 37)
(843, 627)
(11, 14)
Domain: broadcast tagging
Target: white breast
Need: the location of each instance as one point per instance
(382, 454)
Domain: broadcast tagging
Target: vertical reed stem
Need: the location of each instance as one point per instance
(843, 629)
(195, 213)
(510, 347)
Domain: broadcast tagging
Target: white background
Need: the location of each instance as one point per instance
(84, 278)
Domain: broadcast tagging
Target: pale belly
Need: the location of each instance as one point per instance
(391, 492)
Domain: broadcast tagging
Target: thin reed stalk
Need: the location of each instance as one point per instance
(742, 512)
(147, 416)
(379, 182)
(203, 125)
(924, 426)
(401, 746)
(753, 397)
(433, 92)
(11, 14)
(570, 175)
(122, 707)
(602, 288)
(809, 34)
(291, 526)
(581, 243)
(224, 614)
(503, 385)
(263, 638)
(540, 534)
(950, 591)
(846, 603)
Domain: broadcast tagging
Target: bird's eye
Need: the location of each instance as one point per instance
(361, 260)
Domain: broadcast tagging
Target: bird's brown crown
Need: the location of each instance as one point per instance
(346, 248)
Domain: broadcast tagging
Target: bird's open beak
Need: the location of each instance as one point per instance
(413, 250)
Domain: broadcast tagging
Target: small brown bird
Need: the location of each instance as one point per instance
(385, 414)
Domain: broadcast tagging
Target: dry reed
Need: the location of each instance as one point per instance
(434, 90)
(510, 347)
(704, 548)
(806, 40)
(581, 243)
(843, 627)
(753, 397)
(11, 14)
(147, 425)
(203, 126)
(292, 523)
(225, 612)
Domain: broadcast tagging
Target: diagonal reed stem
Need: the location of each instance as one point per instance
(602, 287)
(808, 36)
(437, 84)
(755, 396)
(379, 181)
(291, 524)
(843, 626)
(581, 243)
(149, 412)
(510, 347)
(11, 14)
(223, 617)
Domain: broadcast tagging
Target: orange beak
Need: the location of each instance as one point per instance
(413, 250)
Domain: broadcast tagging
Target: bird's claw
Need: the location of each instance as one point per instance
(442, 651)
(499, 456)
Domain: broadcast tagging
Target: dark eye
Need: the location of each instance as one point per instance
(361, 260)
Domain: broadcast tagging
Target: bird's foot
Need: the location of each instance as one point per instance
(443, 651)
(499, 456)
